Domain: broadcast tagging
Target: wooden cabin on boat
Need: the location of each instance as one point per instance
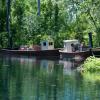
(47, 45)
(68, 45)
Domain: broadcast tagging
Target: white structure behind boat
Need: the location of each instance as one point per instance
(67, 45)
(47, 45)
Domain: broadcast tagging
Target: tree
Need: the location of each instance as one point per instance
(2, 21)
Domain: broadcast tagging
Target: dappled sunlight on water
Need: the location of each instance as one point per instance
(23, 78)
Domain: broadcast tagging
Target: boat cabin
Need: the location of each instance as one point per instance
(68, 44)
(47, 45)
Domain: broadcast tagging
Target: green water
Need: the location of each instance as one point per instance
(23, 78)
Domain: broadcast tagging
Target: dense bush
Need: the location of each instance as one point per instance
(92, 64)
(91, 69)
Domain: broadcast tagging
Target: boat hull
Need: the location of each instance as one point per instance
(39, 53)
(95, 52)
(75, 55)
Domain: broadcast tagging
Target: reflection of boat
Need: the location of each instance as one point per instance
(68, 65)
(67, 51)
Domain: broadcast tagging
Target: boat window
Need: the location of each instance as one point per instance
(50, 43)
(44, 43)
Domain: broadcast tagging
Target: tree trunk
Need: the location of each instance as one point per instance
(38, 8)
(8, 25)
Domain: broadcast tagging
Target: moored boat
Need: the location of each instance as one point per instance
(45, 50)
(70, 51)
(41, 53)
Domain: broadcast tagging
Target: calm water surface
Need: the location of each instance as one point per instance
(23, 78)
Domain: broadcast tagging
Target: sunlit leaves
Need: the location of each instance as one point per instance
(92, 64)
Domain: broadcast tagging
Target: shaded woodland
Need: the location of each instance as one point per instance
(22, 23)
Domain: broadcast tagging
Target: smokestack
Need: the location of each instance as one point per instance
(90, 40)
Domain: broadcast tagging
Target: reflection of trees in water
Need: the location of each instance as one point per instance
(77, 88)
(49, 82)
(28, 79)
(31, 79)
(12, 84)
(3, 81)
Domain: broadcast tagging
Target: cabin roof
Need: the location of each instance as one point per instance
(70, 41)
(47, 41)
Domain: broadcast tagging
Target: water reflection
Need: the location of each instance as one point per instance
(23, 78)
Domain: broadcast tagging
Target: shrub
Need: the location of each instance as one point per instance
(92, 64)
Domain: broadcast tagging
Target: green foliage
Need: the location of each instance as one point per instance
(91, 77)
(91, 69)
(46, 37)
(3, 39)
(92, 64)
(2, 15)
(61, 19)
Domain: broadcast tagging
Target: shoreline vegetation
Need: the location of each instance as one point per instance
(90, 69)
(91, 64)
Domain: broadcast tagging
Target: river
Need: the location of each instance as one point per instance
(29, 78)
